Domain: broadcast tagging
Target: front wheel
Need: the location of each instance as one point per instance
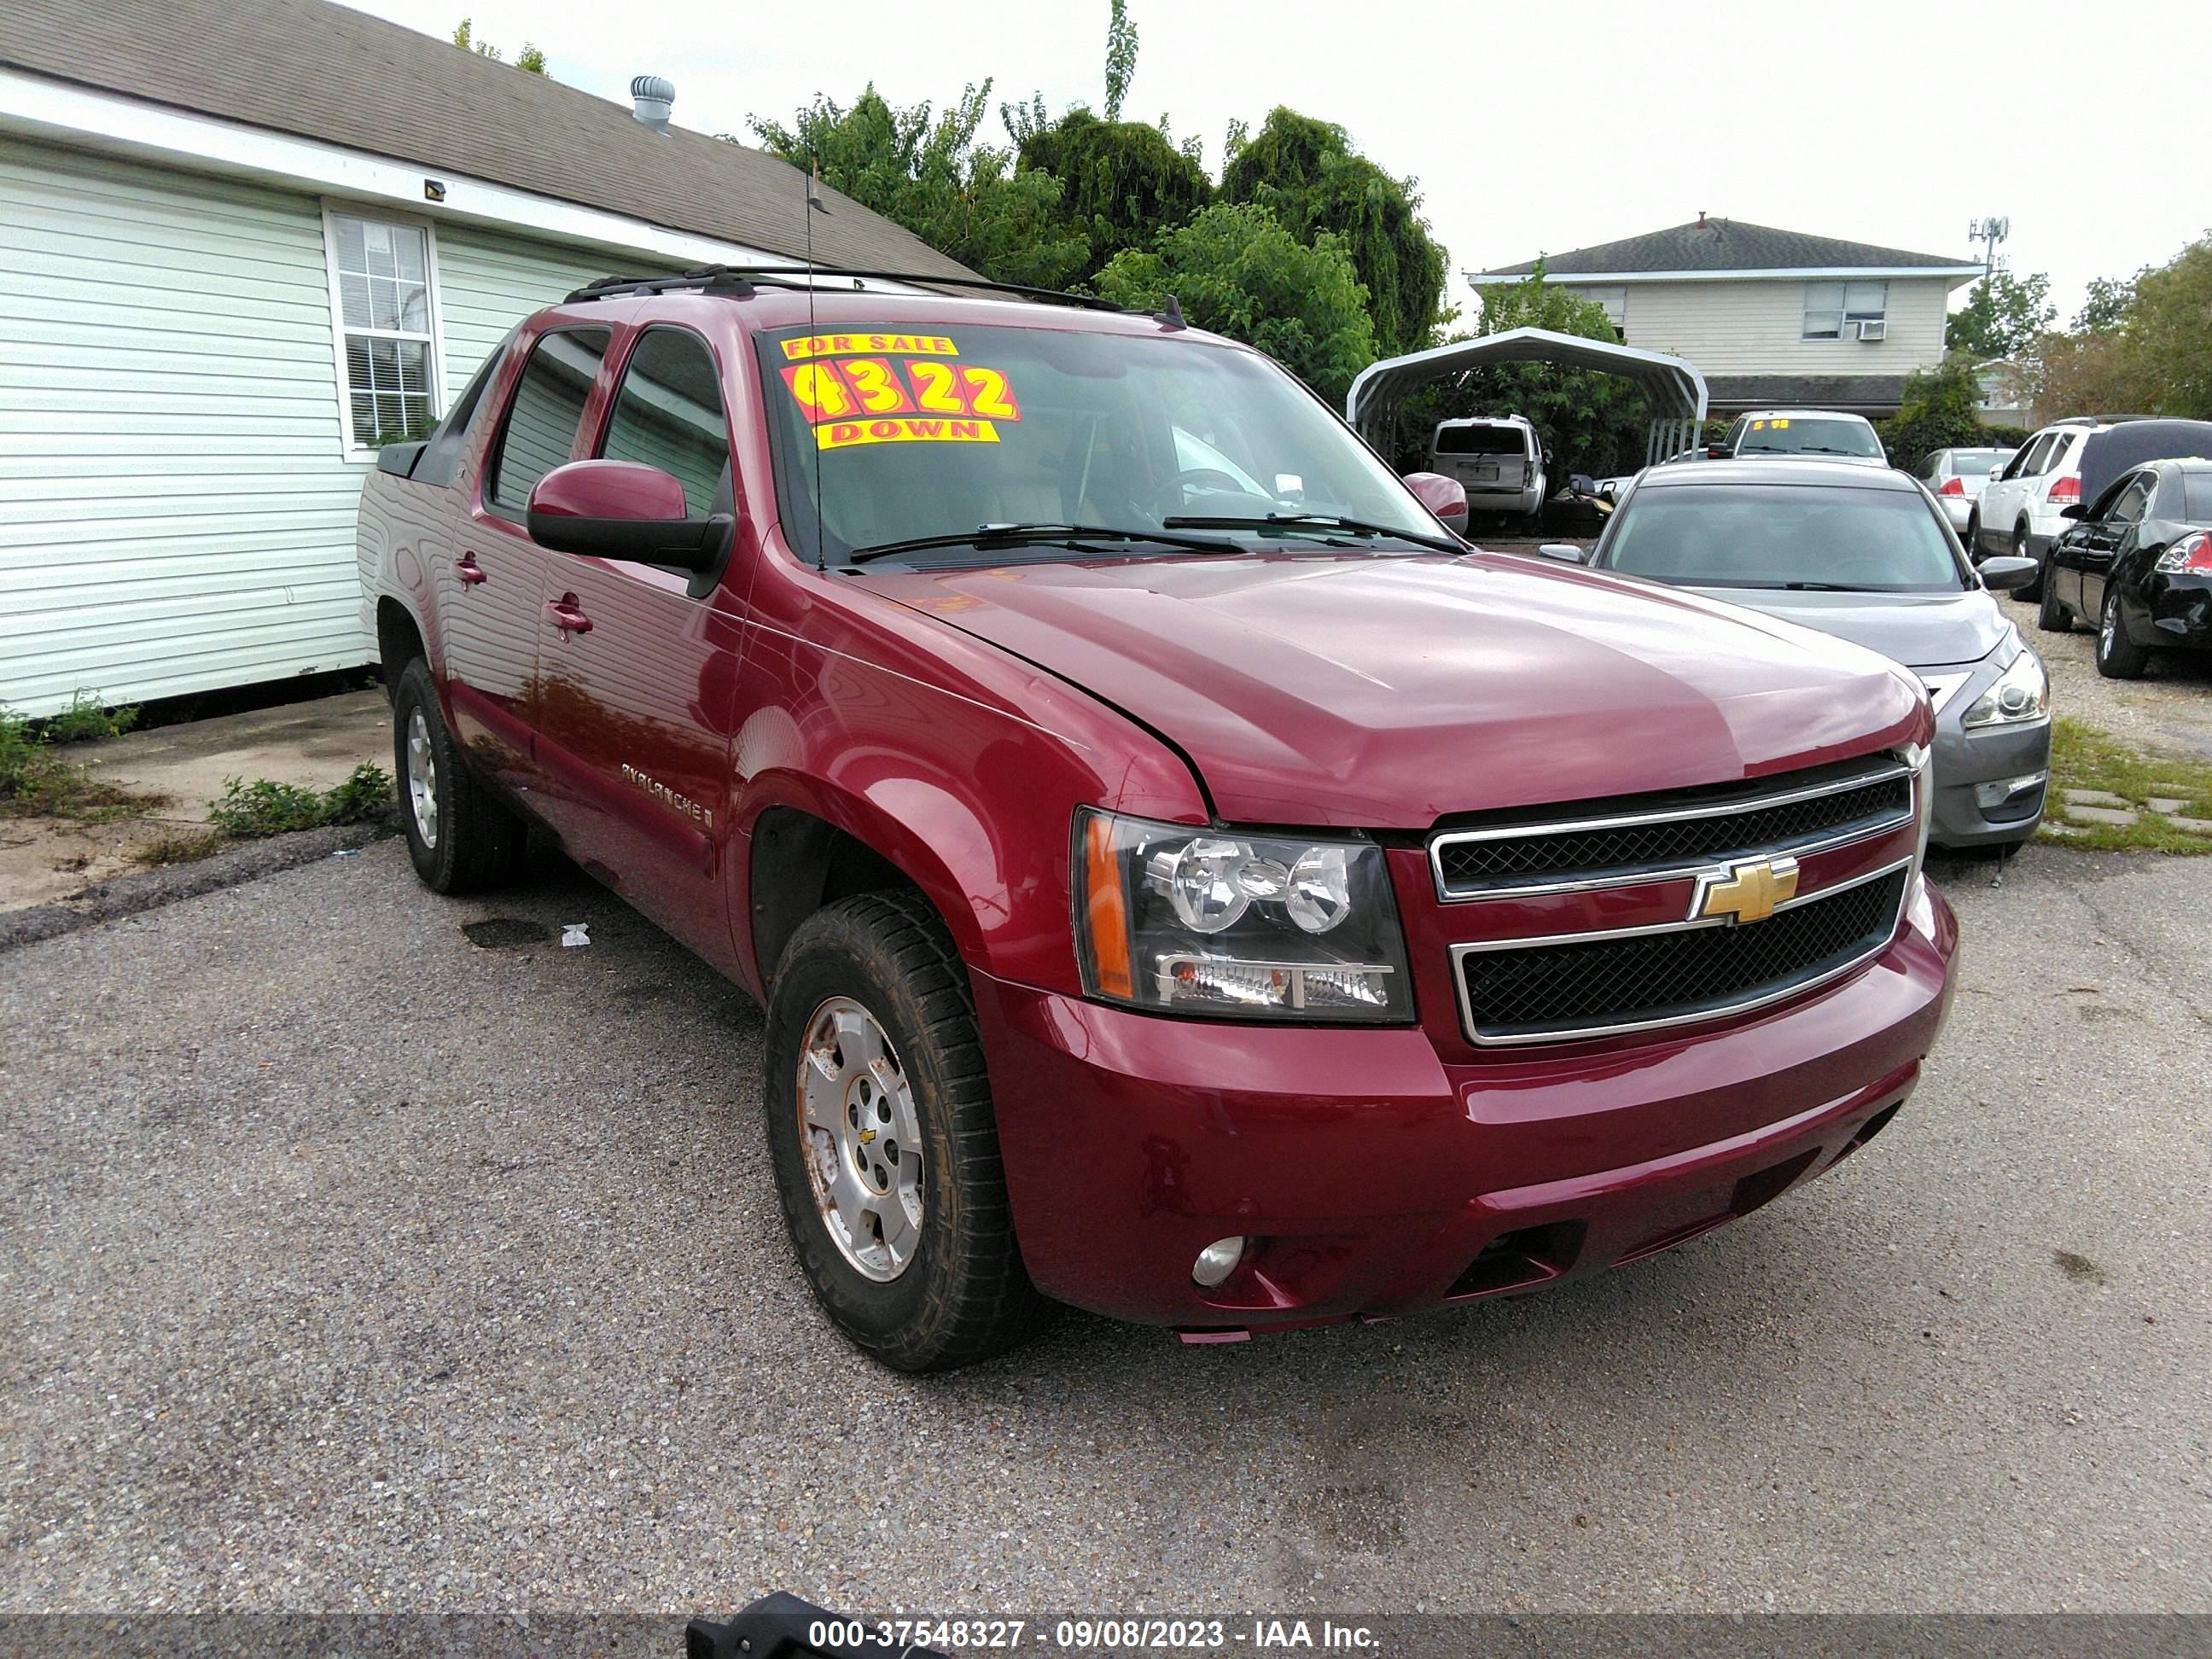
(2034, 589)
(1973, 535)
(459, 837)
(2118, 658)
(885, 1147)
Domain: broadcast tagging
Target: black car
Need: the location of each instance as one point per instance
(2136, 564)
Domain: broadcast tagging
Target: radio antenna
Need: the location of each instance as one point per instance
(813, 184)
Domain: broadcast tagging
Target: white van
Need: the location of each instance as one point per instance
(1496, 458)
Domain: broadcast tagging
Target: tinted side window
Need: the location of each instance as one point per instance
(442, 458)
(2133, 499)
(547, 409)
(669, 415)
(2038, 456)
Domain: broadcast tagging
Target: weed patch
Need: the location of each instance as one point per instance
(248, 812)
(186, 848)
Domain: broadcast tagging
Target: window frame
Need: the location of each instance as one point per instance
(349, 448)
(1614, 298)
(612, 400)
(1842, 310)
(495, 448)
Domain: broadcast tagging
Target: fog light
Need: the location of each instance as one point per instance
(1998, 791)
(1218, 1260)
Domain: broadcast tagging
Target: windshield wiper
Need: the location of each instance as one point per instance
(1019, 535)
(1821, 587)
(1311, 521)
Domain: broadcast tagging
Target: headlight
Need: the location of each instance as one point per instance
(1199, 921)
(2021, 694)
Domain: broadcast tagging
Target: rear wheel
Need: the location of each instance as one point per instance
(2117, 657)
(885, 1147)
(459, 835)
(2052, 615)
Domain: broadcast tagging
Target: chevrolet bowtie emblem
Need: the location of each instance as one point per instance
(1748, 892)
(867, 1136)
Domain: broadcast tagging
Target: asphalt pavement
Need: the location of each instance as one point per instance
(348, 1262)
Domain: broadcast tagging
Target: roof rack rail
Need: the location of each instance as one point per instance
(738, 281)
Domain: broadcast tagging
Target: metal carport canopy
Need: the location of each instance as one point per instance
(1676, 390)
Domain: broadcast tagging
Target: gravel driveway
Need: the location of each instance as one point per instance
(349, 1263)
(2171, 705)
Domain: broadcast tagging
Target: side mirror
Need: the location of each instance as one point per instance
(2075, 511)
(622, 510)
(1565, 552)
(1445, 497)
(2008, 575)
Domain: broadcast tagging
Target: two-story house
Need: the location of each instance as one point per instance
(1769, 317)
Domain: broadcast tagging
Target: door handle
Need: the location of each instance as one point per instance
(469, 570)
(566, 615)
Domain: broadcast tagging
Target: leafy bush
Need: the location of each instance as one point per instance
(266, 807)
(36, 782)
(1937, 412)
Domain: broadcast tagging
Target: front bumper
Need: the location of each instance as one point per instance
(1378, 1178)
(1967, 761)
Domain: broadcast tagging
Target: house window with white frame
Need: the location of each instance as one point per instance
(1833, 310)
(381, 290)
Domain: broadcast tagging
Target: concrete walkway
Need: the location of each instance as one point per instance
(314, 745)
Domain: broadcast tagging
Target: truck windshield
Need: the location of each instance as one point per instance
(937, 432)
(1795, 434)
(1803, 536)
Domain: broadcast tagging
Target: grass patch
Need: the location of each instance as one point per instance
(248, 812)
(37, 783)
(2083, 757)
(186, 848)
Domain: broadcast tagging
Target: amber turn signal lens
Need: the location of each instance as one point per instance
(1105, 911)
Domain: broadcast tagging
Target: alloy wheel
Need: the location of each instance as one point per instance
(862, 1139)
(423, 780)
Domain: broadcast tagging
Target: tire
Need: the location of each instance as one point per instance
(2050, 614)
(2034, 589)
(1973, 536)
(870, 1015)
(2117, 657)
(460, 837)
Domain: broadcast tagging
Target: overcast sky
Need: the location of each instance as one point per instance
(1540, 125)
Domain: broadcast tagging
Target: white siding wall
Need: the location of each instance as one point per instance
(1754, 327)
(175, 513)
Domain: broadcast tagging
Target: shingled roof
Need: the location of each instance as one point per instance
(1727, 245)
(322, 71)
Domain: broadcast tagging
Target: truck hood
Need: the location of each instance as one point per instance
(1920, 630)
(1388, 691)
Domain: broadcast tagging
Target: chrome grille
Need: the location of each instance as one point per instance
(1595, 984)
(1653, 837)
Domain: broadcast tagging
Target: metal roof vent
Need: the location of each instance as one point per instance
(651, 100)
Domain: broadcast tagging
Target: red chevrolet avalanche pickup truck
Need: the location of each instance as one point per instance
(1184, 878)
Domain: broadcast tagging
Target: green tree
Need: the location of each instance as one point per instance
(530, 59)
(1123, 183)
(1237, 270)
(2002, 318)
(1307, 173)
(1937, 412)
(2167, 338)
(970, 202)
(1589, 422)
(1121, 57)
(2106, 307)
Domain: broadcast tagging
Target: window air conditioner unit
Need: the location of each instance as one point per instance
(1874, 330)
